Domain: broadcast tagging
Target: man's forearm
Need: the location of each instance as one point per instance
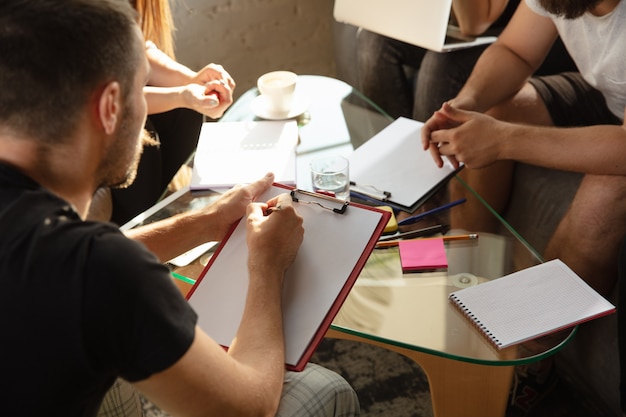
(173, 236)
(596, 150)
(259, 343)
(497, 75)
(260, 332)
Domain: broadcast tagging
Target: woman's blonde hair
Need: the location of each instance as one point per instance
(156, 23)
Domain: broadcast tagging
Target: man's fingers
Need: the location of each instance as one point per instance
(261, 185)
(454, 113)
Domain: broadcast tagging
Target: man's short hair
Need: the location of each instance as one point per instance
(54, 54)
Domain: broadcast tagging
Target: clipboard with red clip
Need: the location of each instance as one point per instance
(338, 239)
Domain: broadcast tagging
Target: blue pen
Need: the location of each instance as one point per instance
(418, 217)
(365, 197)
(371, 200)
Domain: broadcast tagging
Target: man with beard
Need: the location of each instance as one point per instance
(81, 304)
(570, 121)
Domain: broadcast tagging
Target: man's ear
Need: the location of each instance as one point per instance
(109, 107)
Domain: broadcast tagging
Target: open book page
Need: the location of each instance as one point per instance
(332, 254)
(394, 161)
(530, 303)
(230, 153)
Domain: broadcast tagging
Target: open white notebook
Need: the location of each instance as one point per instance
(394, 161)
(231, 153)
(333, 252)
(530, 303)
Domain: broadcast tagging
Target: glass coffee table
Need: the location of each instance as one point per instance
(406, 313)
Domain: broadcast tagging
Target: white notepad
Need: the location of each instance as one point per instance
(231, 153)
(395, 161)
(530, 303)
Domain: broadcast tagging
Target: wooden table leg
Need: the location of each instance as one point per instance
(457, 389)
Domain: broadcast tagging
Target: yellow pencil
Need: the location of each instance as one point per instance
(391, 243)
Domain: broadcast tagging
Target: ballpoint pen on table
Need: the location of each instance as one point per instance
(427, 231)
(418, 217)
(365, 197)
(392, 243)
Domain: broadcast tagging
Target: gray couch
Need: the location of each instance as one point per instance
(540, 198)
(590, 361)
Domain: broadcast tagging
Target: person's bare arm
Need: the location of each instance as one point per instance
(173, 85)
(165, 71)
(506, 65)
(212, 99)
(248, 379)
(475, 16)
(170, 237)
(500, 72)
(479, 140)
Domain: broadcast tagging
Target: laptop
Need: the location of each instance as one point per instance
(423, 23)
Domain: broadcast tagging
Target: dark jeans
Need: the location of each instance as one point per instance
(178, 131)
(406, 80)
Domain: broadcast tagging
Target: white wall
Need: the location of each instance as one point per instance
(251, 37)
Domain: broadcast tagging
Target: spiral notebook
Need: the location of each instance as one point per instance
(530, 303)
(338, 239)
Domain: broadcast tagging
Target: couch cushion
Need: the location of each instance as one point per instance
(539, 201)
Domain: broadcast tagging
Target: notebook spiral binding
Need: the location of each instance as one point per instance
(474, 320)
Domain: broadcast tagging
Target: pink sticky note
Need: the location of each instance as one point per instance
(421, 254)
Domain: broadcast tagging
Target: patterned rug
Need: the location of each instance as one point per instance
(389, 384)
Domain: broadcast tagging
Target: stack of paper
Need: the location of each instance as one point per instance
(231, 153)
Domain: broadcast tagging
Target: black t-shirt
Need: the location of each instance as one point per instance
(80, 304)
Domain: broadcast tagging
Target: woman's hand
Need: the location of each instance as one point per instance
(214, 72)
(212, 99)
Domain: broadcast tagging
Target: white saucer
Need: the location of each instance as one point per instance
(259, 108)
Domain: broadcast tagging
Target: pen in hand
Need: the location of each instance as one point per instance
(272, 209)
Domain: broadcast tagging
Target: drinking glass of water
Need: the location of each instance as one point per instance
(330, 176)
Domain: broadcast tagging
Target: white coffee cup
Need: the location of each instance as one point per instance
(278, 88)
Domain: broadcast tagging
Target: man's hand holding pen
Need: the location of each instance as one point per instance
(274, 233)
